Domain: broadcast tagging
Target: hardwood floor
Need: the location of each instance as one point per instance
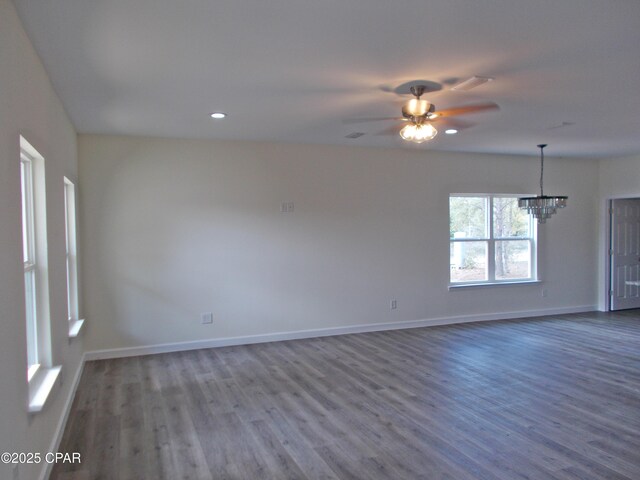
(544, 398)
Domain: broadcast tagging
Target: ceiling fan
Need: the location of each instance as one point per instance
(419, 115)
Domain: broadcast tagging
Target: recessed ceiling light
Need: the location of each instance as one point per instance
(451, 131)
(218, 115)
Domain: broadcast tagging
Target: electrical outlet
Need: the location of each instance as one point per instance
(286, 207)
(544, 292)
(206, 318)
(393, 304)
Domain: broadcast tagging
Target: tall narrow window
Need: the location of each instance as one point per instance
(491, 240)
(41, 374)
(30, 261)
(71, 252)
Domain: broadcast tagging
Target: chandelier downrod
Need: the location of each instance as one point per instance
(541, 147)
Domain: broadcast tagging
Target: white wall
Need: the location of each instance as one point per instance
(173, 228)
(618, 178)
(29, 106)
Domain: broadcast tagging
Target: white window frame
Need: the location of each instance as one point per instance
(41, 374)
(491, 240)
(30, 262)
(70, 220)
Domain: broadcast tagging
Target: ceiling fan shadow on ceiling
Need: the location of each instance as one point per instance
(418, 116)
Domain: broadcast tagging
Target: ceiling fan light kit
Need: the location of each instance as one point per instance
(418, 133)
(542, 206)
(418, 111)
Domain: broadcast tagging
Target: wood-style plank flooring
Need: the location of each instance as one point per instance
(544, 398)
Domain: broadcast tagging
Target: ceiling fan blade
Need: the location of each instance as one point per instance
(389, 131)
(369, 119)
(477, 108)
(452, 123)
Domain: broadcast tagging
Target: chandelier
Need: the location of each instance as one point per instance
(542, 206)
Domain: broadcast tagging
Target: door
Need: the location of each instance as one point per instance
(625, 253)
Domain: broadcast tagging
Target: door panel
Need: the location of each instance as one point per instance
(625, 253)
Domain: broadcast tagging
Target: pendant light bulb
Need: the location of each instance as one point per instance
(418, 133)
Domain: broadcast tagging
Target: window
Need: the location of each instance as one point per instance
(71, 256)
(41, 375)
(29, 259)
(491, 240)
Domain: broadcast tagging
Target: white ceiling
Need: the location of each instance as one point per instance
(297, 71)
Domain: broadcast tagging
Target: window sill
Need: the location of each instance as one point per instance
(74, 327)
(456, 286)
(40, 386)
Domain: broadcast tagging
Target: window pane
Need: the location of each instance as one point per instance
(66, 215)
(72, 269)
(468, 217)
(26, 205)
(69, 291)
(513, 259)
(508, 219)
(468, 261)
(30, 308)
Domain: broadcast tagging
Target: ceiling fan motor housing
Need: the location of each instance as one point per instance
(417, 108)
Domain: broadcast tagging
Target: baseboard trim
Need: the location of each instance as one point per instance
(323, 332)
(62, 422)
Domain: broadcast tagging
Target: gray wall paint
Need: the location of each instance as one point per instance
(174, 228)
(29, 106)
